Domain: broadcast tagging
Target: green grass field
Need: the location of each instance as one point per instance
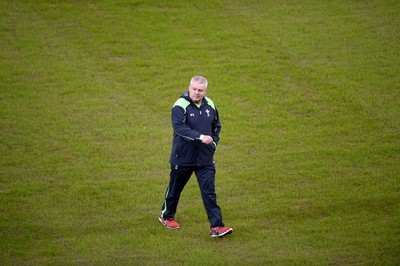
(308, 166)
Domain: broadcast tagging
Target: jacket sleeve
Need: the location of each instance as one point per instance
(178, 118)
(216, 128)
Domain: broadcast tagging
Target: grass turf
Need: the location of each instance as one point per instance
(307, 165)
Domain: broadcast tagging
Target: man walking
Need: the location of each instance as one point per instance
(196, 127)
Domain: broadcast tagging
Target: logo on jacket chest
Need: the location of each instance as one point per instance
(207, 112)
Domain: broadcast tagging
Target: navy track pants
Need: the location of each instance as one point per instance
(179, 177)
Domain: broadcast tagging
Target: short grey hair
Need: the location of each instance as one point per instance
(199, 80)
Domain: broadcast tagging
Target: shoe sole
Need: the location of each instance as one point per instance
(159, 218)
(224, 233)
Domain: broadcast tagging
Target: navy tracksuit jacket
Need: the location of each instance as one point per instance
(189, 123)
(189, 154)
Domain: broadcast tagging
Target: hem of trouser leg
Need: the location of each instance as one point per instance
(212, 226)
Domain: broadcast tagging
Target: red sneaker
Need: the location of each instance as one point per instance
(220, 231)
(168, 222)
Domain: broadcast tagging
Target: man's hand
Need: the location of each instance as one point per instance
(207, 139)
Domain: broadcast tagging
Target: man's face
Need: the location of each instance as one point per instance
(197, 92)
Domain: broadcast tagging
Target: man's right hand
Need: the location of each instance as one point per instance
(207, 139)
